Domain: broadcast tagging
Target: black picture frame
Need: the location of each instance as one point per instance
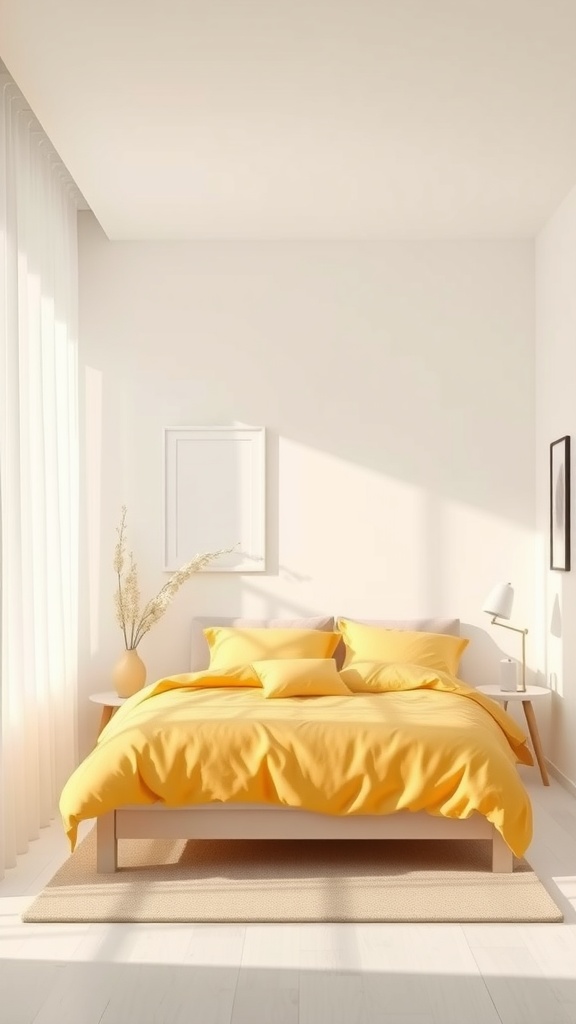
(560, 504)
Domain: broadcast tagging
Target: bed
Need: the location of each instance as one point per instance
(184, 760)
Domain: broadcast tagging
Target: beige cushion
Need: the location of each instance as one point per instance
(200, 652)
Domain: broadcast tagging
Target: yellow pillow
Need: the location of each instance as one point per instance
(300, 677)
(374, 677)
(233, 650)
(374, 643)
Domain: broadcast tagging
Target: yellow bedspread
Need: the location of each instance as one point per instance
(442, 748)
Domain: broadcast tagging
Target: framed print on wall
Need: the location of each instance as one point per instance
(214, 496)
(560, 504)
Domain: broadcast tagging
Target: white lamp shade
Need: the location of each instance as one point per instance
(499, 601)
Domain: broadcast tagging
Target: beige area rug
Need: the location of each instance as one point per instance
(292, 880)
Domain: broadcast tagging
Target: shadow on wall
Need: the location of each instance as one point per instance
(555, 626)
(372, 367)
(386, 355)
(385, 539)
(560, 656)
(482, 651)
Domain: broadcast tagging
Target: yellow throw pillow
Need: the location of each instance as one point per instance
(300, 677)
(374, 643)
(374, 677)
(232, 650)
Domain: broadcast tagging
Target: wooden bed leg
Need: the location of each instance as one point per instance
(502, 856)
(106, 844)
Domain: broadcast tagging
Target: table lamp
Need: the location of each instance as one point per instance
(498, 604)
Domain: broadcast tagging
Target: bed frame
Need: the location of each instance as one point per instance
(249, 821)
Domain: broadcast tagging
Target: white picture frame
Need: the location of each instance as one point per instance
(214, 496)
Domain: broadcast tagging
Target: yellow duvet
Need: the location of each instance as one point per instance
(440, 747)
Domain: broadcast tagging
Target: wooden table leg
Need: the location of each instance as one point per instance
(107, 713)
(535, 737)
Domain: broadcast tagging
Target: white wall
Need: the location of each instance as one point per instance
(396, 382)
(556, 416)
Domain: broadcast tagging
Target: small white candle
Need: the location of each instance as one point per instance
(508, 674)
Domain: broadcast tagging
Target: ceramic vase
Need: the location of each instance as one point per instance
(129, 673)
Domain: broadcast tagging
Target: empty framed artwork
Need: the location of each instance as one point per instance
(214, 479)
(560, 504)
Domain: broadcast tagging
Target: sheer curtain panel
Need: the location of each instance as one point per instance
(38, 475)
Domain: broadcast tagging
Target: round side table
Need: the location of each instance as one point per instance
(527, 696)
(109, 701)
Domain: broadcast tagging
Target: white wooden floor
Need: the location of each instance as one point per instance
(295, 974)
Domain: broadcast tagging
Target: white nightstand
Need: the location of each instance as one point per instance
(110, 701)
(528, 695)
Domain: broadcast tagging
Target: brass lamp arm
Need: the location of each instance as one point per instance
(516, 629)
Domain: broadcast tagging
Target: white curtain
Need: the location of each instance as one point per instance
(38, 475)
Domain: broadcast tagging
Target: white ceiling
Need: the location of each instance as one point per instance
(305, 118)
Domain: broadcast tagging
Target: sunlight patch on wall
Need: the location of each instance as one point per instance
(354, 528)
(93, 486)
